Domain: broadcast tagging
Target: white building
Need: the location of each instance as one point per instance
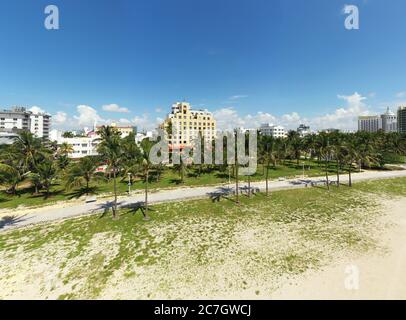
(7, 137)
(82, 146)
(20, 119)
(268, 129)
(369, 123)
(389, 121)
(143, 135)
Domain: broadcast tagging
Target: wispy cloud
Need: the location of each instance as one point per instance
(114, 108)
(238, 96)
(401, 94)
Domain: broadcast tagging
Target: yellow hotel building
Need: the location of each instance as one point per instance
(186, 125)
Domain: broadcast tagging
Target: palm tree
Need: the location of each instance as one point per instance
(110, 150)
(338, 152)
(65, 149)
(268, 154)
(296, 145)
(350, 155)
(10, 176)
(47, 172)
(236, 166)
(82, 173)
(181, 169)
(146, 166)
(325, 149)
(30, 149)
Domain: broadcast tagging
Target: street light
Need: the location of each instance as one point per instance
(129, 182)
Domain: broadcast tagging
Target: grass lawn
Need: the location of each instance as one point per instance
(169, 179)
(195, 249)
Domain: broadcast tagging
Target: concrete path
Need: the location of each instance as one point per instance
(47, 214)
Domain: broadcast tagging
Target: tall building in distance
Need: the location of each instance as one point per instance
(389, 121)
(402, 119)
(20, 119)
(268, 129)
(386, 122)
(187, 124)
(369, 123)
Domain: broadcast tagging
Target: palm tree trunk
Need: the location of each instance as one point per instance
(181, 172)
(338, 173)
(249, 186)
(146, 193)
(349, 177)
(237, 199)
(115, 194)
(266, 179)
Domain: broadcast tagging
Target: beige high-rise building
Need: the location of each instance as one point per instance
(186, 125)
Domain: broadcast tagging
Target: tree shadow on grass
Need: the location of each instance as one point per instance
(222, 193)
(222, 175)
(138, 207)
(176, 181)
(45, 195)
(82, 192)
(193, 175)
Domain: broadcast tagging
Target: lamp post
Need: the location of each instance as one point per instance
(303, 164)
(129, 183)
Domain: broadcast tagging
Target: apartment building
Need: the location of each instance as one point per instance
(369, 123)
(268, 129)
(187, 124)
(20, 119)
(386, 122)
(401, 121)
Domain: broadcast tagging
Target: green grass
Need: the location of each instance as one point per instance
(169, 179)
(296, 230)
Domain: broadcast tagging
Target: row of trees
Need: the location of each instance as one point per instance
(30, 160)
(348, 150)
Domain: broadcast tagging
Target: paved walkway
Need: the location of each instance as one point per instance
(47, 214)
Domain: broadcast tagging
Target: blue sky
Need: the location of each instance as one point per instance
(249, 61)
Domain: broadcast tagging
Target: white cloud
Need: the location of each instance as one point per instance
(60, 117)
(344, 118)
(115, 108)
(238, 96)
(401, 94)
(124, 121)
(158, 110)
(87, 116)
(227, 119)
(36, 110)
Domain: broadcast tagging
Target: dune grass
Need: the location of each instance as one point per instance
(194, 249)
